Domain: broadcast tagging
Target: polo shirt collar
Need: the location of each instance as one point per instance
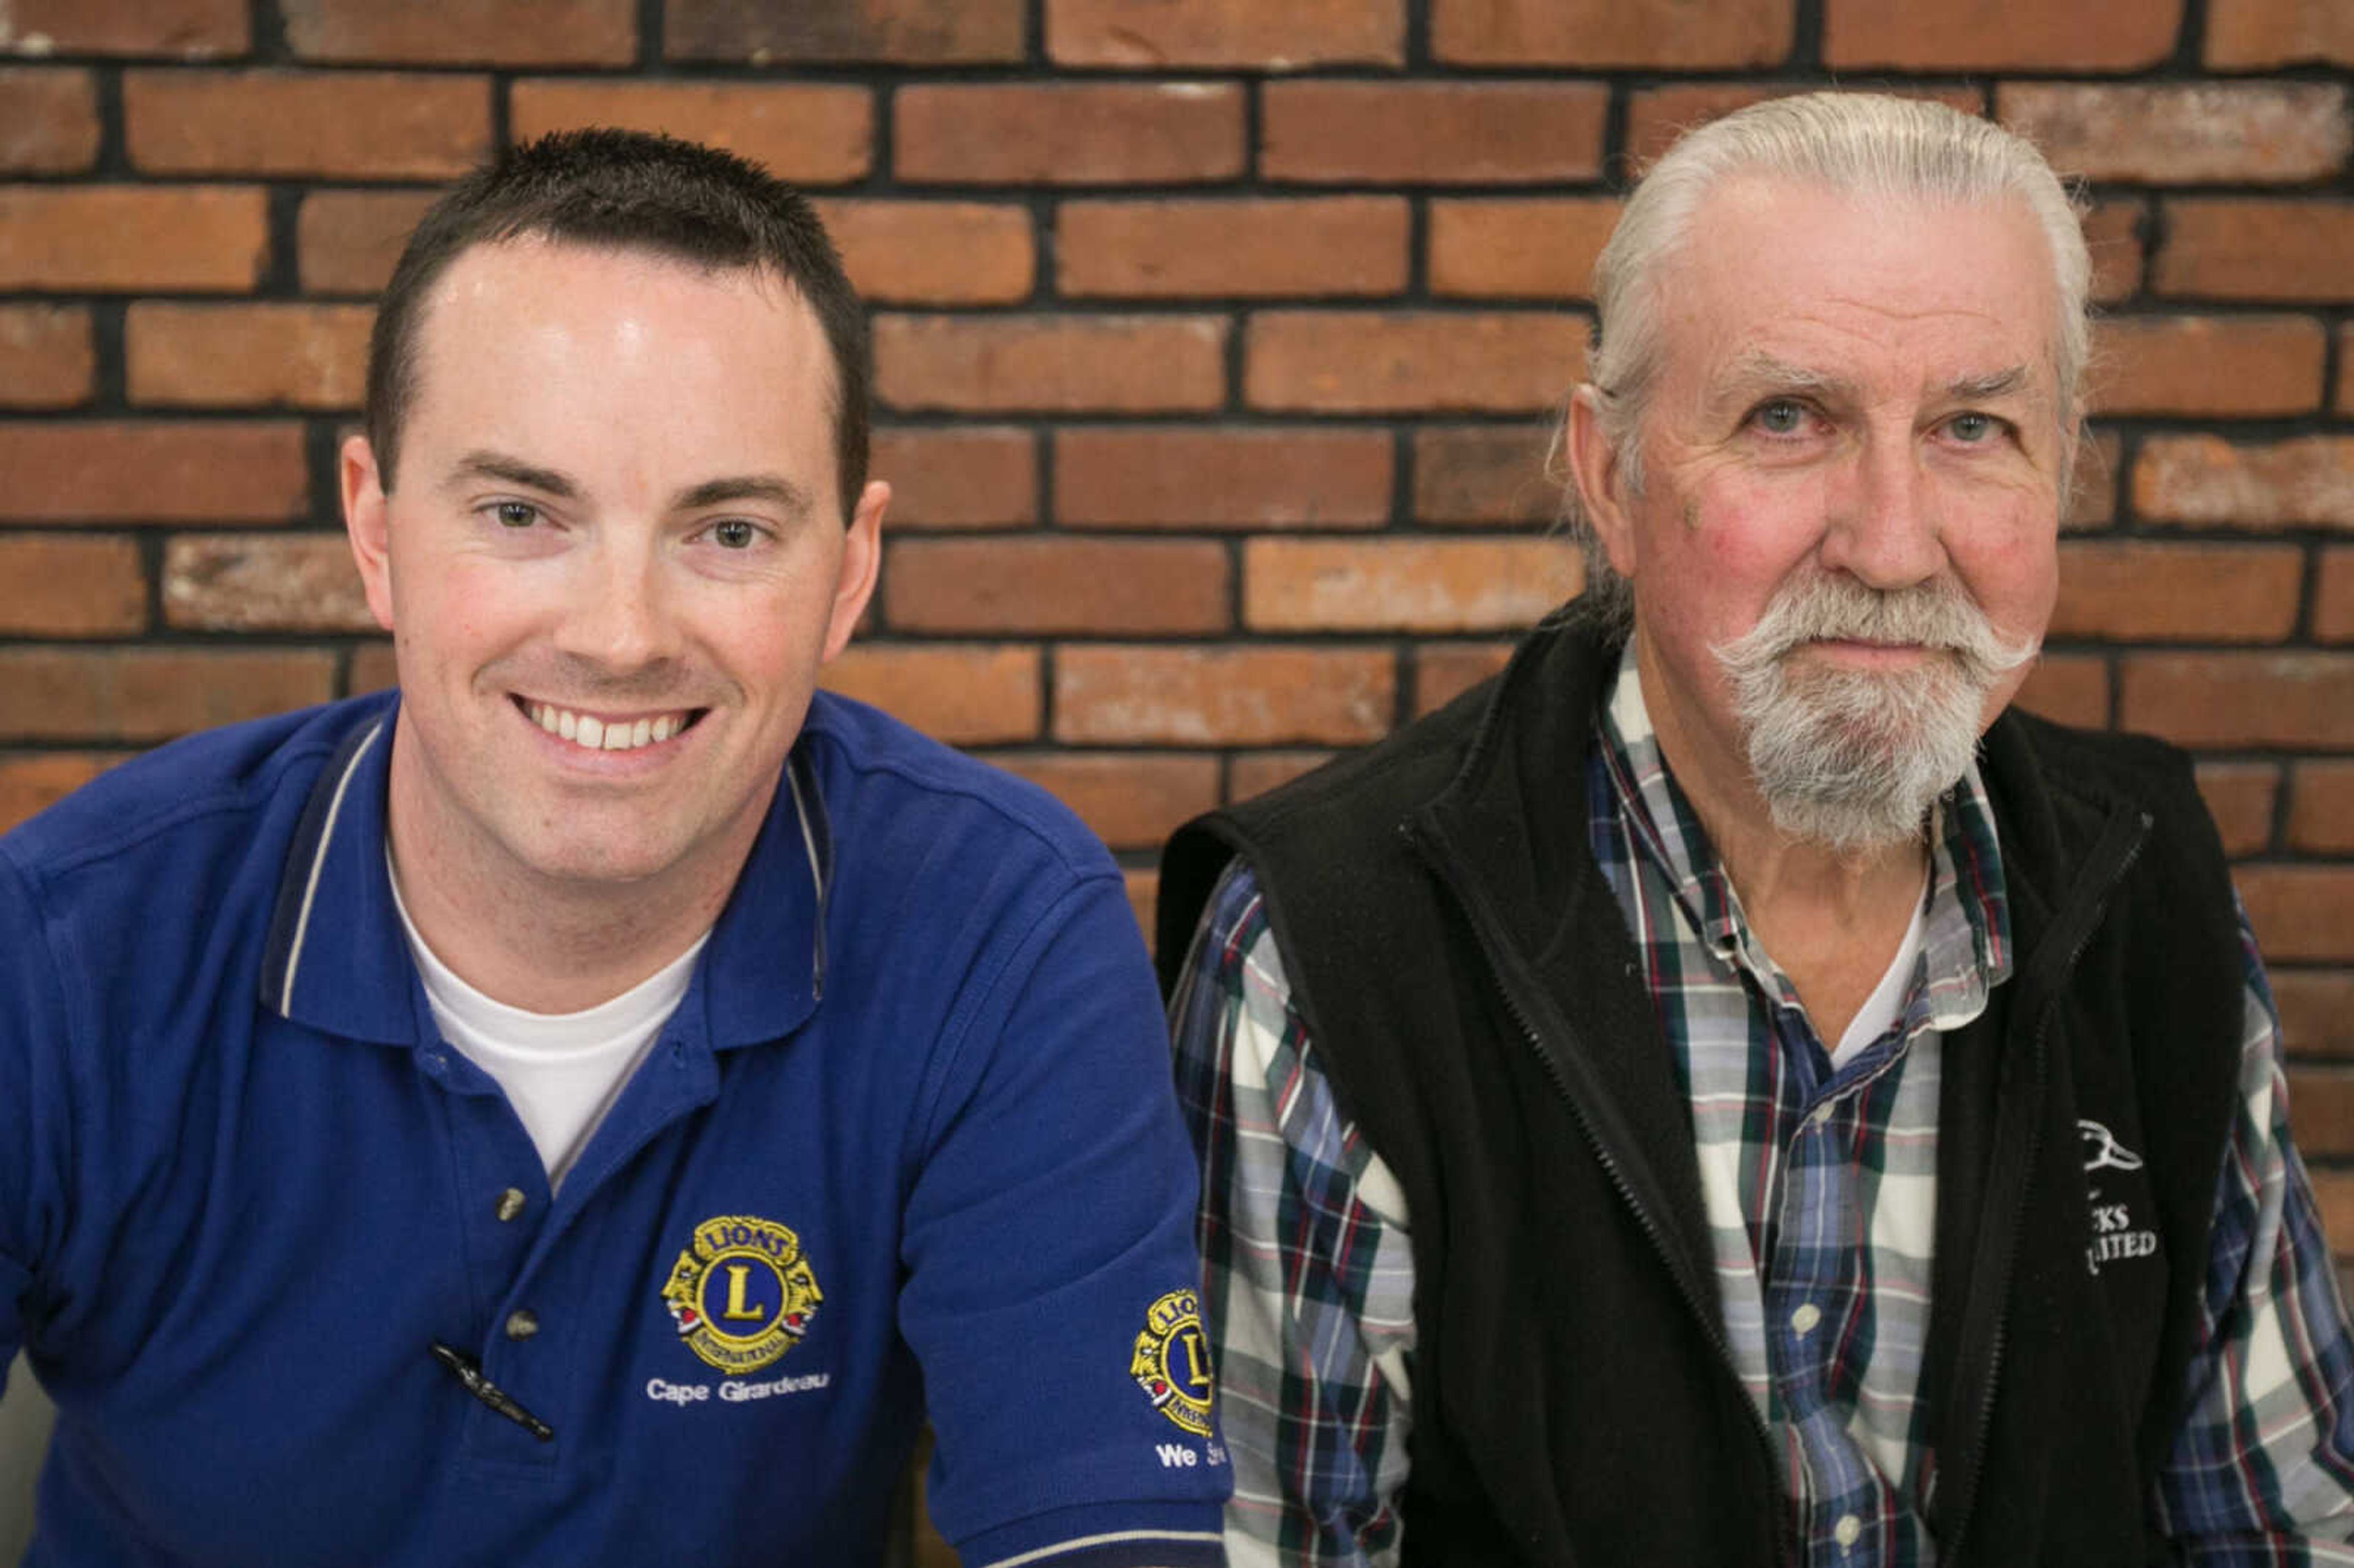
(338, 960)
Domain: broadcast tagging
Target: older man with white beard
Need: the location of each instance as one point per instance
(1728, 1090)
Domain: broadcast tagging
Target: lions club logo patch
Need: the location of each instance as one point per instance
(1172, 1364)
(741, 1294)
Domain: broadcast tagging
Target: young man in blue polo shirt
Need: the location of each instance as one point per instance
(589, 1106)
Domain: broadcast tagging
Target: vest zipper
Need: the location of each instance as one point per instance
(2126, 848)
(1700, 1314)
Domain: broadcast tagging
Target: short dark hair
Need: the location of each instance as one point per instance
(631, 190)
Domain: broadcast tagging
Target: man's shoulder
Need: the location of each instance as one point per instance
(203, 787)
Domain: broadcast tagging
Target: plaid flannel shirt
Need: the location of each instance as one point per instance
(1826, 1174)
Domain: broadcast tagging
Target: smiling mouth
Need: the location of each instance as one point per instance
(592, 732)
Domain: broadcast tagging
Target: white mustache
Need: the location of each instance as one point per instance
(1827, 607)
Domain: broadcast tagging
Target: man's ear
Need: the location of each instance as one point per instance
(364, 525)
(1601, 481)
(862, 560)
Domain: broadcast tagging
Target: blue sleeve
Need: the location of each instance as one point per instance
(1051, 1289)
(33, 1105)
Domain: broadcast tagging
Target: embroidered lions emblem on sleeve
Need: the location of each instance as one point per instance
(741, 1294)
(1172, 1364)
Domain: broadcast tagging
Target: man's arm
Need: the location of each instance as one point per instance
(2264, 1463)
(1308, 1288)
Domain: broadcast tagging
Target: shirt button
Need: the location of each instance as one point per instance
(1805, 1319)
(1821, 1113)
(1845, 1531)
(522, 1325)
(510, 1203)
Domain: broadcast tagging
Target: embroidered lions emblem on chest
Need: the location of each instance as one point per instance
(741, 1294)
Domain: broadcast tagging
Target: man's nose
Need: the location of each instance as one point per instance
(617, 613)
(1886, 524)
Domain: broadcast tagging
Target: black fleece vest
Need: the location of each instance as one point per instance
(1472, 992)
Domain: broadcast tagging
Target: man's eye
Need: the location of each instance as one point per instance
(1779, 418)
(515, 514)
(1971, 428)
(734, 533)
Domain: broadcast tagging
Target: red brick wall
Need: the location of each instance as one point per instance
(1215, 340)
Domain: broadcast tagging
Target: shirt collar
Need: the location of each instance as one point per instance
(1965, 949)
(338, 960)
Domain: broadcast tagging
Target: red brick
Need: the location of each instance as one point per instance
(1223, 696)
(1445, 132)
(2333, 1194)
(2321, 813)
(1066, 133)
(901, 32)
(373, 124)
(151, 693)
(1445, 671)
(1143, 888)
(2243, 366)
(2241, 797)
(2092, 488)
(2201, 133)
(1590, 35)
(1656, 116)
(1208, 477)
(1439, 586)
(2131, 591)
(2209, 481)
(966, 695)
(2113, 233)
(372, 667)
(286, 356)
(2321, 1111)
(151, 472)
(2255, 34)
(1252, 248)
(45, 356)
(1360, 362)
(2256, 249)
(2345, 400)
(965, 477)
(32, 780)
(803, 134)
(1045, 587)
(1250, 34)
(177, 29)
(1536, 248)
(346, 242)
(71, 238)
(2299, 912)
(2317, 1010)
(1131, 800)
(263, 582)
(934, 252)
(476, 32)
(2242, 699)
(1253, 773)
(70, 585)
(1050, 364)
(1993, 34)
(49, 121)
(2333, 606)
(2070, 688)
(1483, 474)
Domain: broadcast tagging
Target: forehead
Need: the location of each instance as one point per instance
(1884, 292)
(549, 342)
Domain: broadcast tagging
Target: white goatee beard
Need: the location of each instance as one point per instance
(1853, 758)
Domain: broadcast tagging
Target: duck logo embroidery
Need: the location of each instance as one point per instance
(741, 1294)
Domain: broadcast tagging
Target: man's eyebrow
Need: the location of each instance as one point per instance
(775, 489)
(1993, 384)
(481, 465)
(1756, 370)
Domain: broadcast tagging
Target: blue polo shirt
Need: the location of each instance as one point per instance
(907, 1147)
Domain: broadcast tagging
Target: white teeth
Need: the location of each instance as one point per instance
(598, 734)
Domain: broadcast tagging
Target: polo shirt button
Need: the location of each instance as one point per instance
(1845, 1531)
(1804, 1319)
(522, 1325)
(1821, 1113)
(510, 1203)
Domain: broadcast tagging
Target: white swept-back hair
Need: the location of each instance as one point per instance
(1868, 145)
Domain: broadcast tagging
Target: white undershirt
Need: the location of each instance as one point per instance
(560, 1071)
(1887, 998)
